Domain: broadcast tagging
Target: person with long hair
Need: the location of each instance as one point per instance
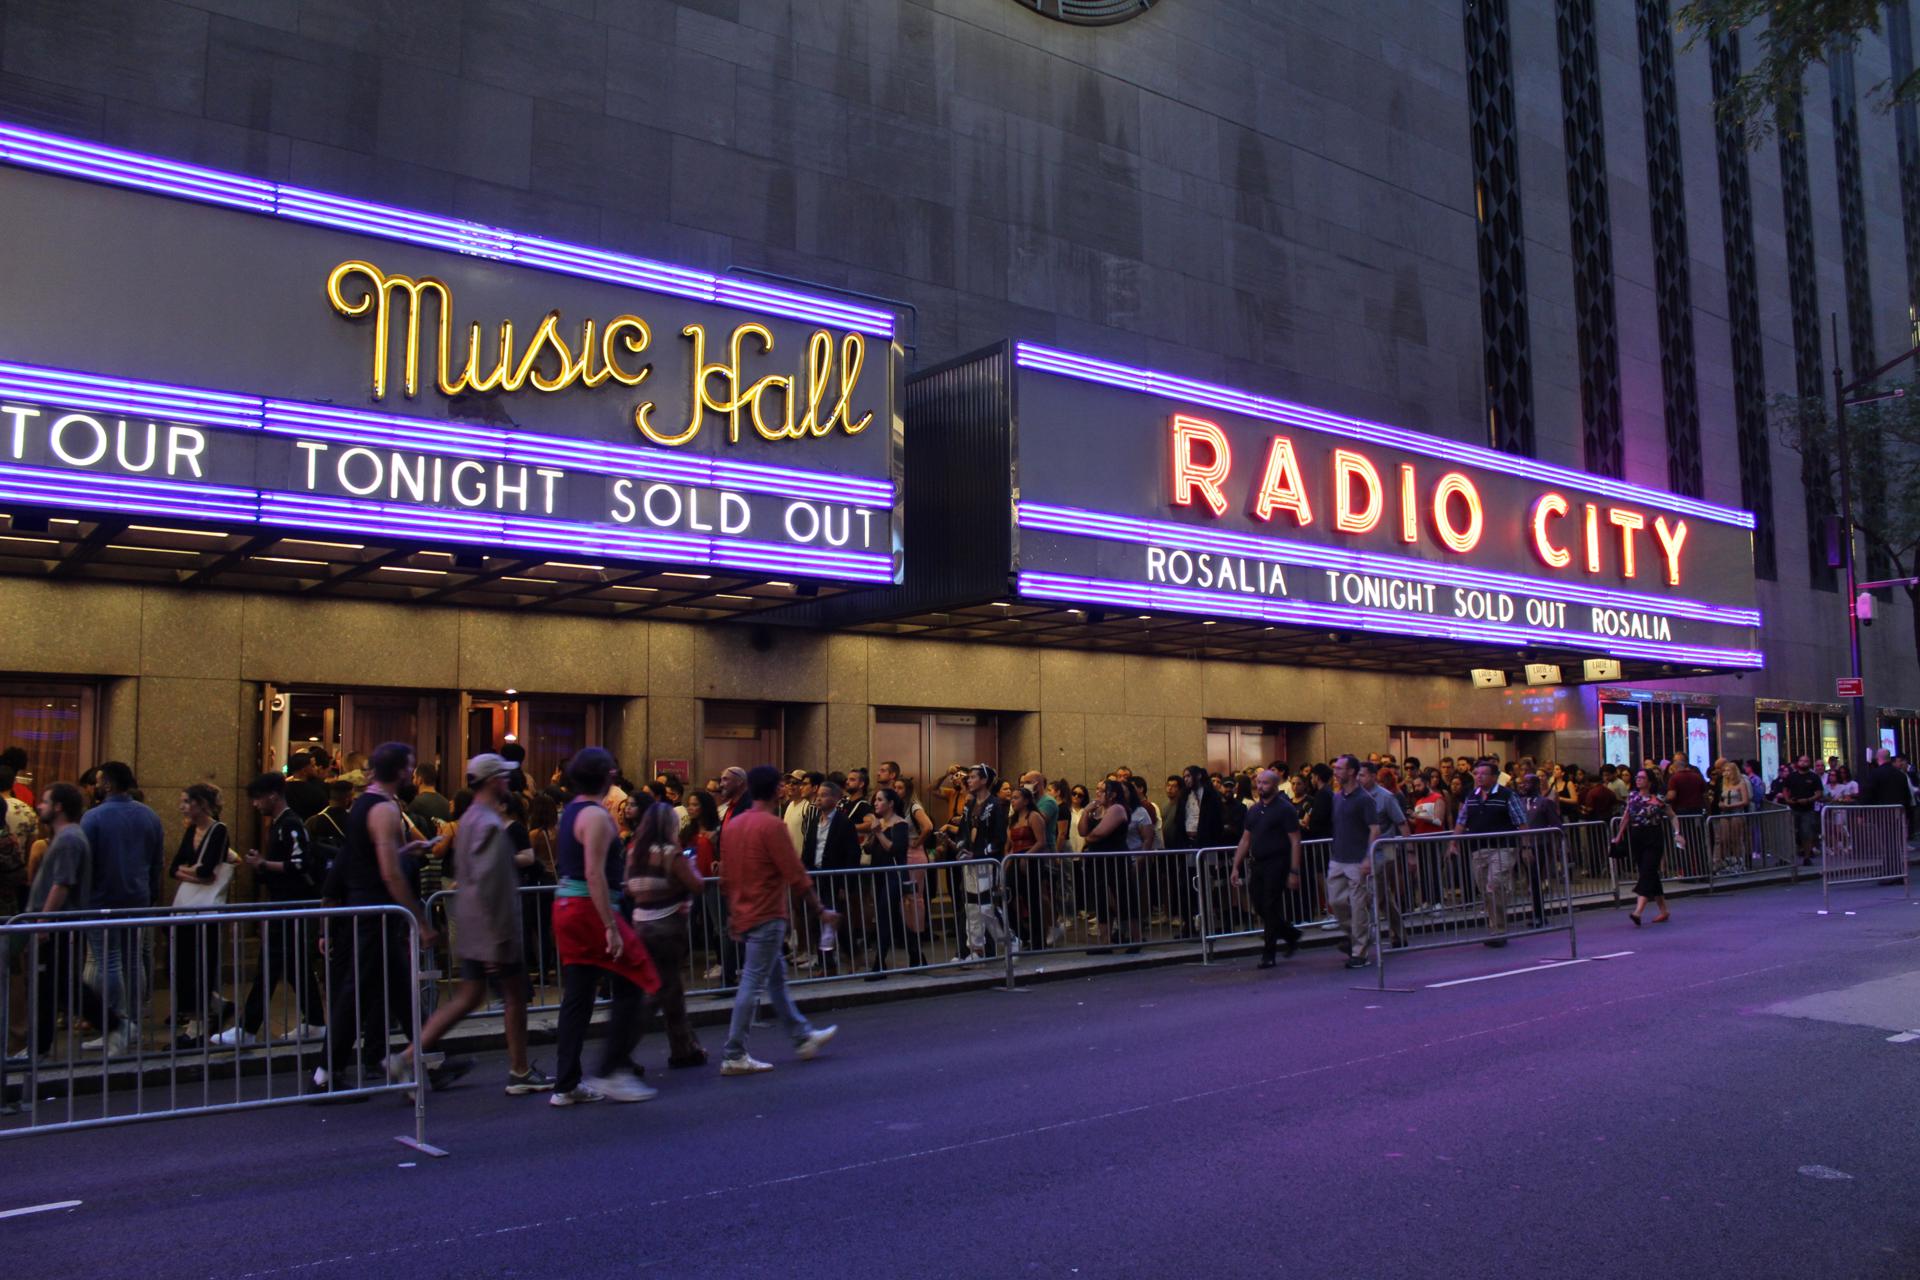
(662, 885)
(1732, 798)
(1027, 833)
(201, 860)
(888, 845)
(1104, 828)
(1644, 831)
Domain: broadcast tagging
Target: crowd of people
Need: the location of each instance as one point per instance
(641, 872)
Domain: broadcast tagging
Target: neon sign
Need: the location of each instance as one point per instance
(1203, 464)
(1277, 512)
(226, 458)
(597, 357)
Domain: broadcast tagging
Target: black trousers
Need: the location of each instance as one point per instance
(578, 985)
(288, 954)
(368, 970)
(1268, 888)
(892, 923)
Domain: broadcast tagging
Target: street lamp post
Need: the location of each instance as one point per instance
(1841, 393)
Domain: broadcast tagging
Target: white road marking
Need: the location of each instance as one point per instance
(1904, 1037)
(1540, 967)
(53, 1207)
(1825, 1174)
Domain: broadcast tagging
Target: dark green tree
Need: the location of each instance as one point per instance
(1786, 39)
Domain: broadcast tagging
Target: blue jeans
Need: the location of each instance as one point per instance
(765, 970)
(116, 959)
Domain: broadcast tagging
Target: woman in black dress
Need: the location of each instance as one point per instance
(1644, 828)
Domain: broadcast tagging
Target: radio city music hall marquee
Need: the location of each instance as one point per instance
(273, 362)
(1202, 499)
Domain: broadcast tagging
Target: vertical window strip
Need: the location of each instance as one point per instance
(1596, 329)
(1504, 330)
(1803, 295)
(1906, 131)
(1871, 486)
(1673, 290)
(1743, 313)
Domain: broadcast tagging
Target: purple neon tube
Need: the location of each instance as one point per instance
(31, 148)
(1302, 613)
(1095, 524)
(1067, 364)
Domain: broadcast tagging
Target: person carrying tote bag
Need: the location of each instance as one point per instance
(203, 869)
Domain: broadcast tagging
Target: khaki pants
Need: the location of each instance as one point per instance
(1493, 875)
(1350, 899)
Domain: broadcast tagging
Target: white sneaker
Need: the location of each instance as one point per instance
(746, 1065)
(234, 1038)
(714, 972)
(1013, 945)
(114, 1043)
(579, 1093)
(307, 1033)
(320, 1077)
(1056, 935)
(812, 1044)
(623, 1086)
(1331, 926)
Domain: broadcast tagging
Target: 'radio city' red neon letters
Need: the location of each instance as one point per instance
(1203, 461)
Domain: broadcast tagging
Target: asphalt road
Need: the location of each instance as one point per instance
(1649, 1114)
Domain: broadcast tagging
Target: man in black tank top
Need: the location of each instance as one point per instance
(367, 956)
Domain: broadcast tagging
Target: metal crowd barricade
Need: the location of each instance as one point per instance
(911, 918)
(156, 1054)
(437, 965)
(1588, 858)
(1752, 841)
(1122, 901)
(1490, 887)
(1228, 910)
(1863, 844)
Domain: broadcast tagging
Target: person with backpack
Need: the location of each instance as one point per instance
(290, 872)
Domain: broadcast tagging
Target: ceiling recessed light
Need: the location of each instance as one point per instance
(401, 568)
(157, 528)
(340, 546)
(693, 577)
(565, 564)
(287, 560)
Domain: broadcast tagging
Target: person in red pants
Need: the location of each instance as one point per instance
(594, 942)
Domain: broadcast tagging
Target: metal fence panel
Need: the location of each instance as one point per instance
(1441, 890)
(1863, 844)
(1228, 910)
(155, 988)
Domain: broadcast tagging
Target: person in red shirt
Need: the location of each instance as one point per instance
(758, 872)
(1686, 789)
(16, 757)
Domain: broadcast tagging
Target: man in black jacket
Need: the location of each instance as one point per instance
(1195, 820)
(829, 842)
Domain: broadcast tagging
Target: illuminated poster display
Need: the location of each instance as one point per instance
(1140, 489)
(209, 346)
(1700, 743)
(1769, 750)
(1616, 738)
